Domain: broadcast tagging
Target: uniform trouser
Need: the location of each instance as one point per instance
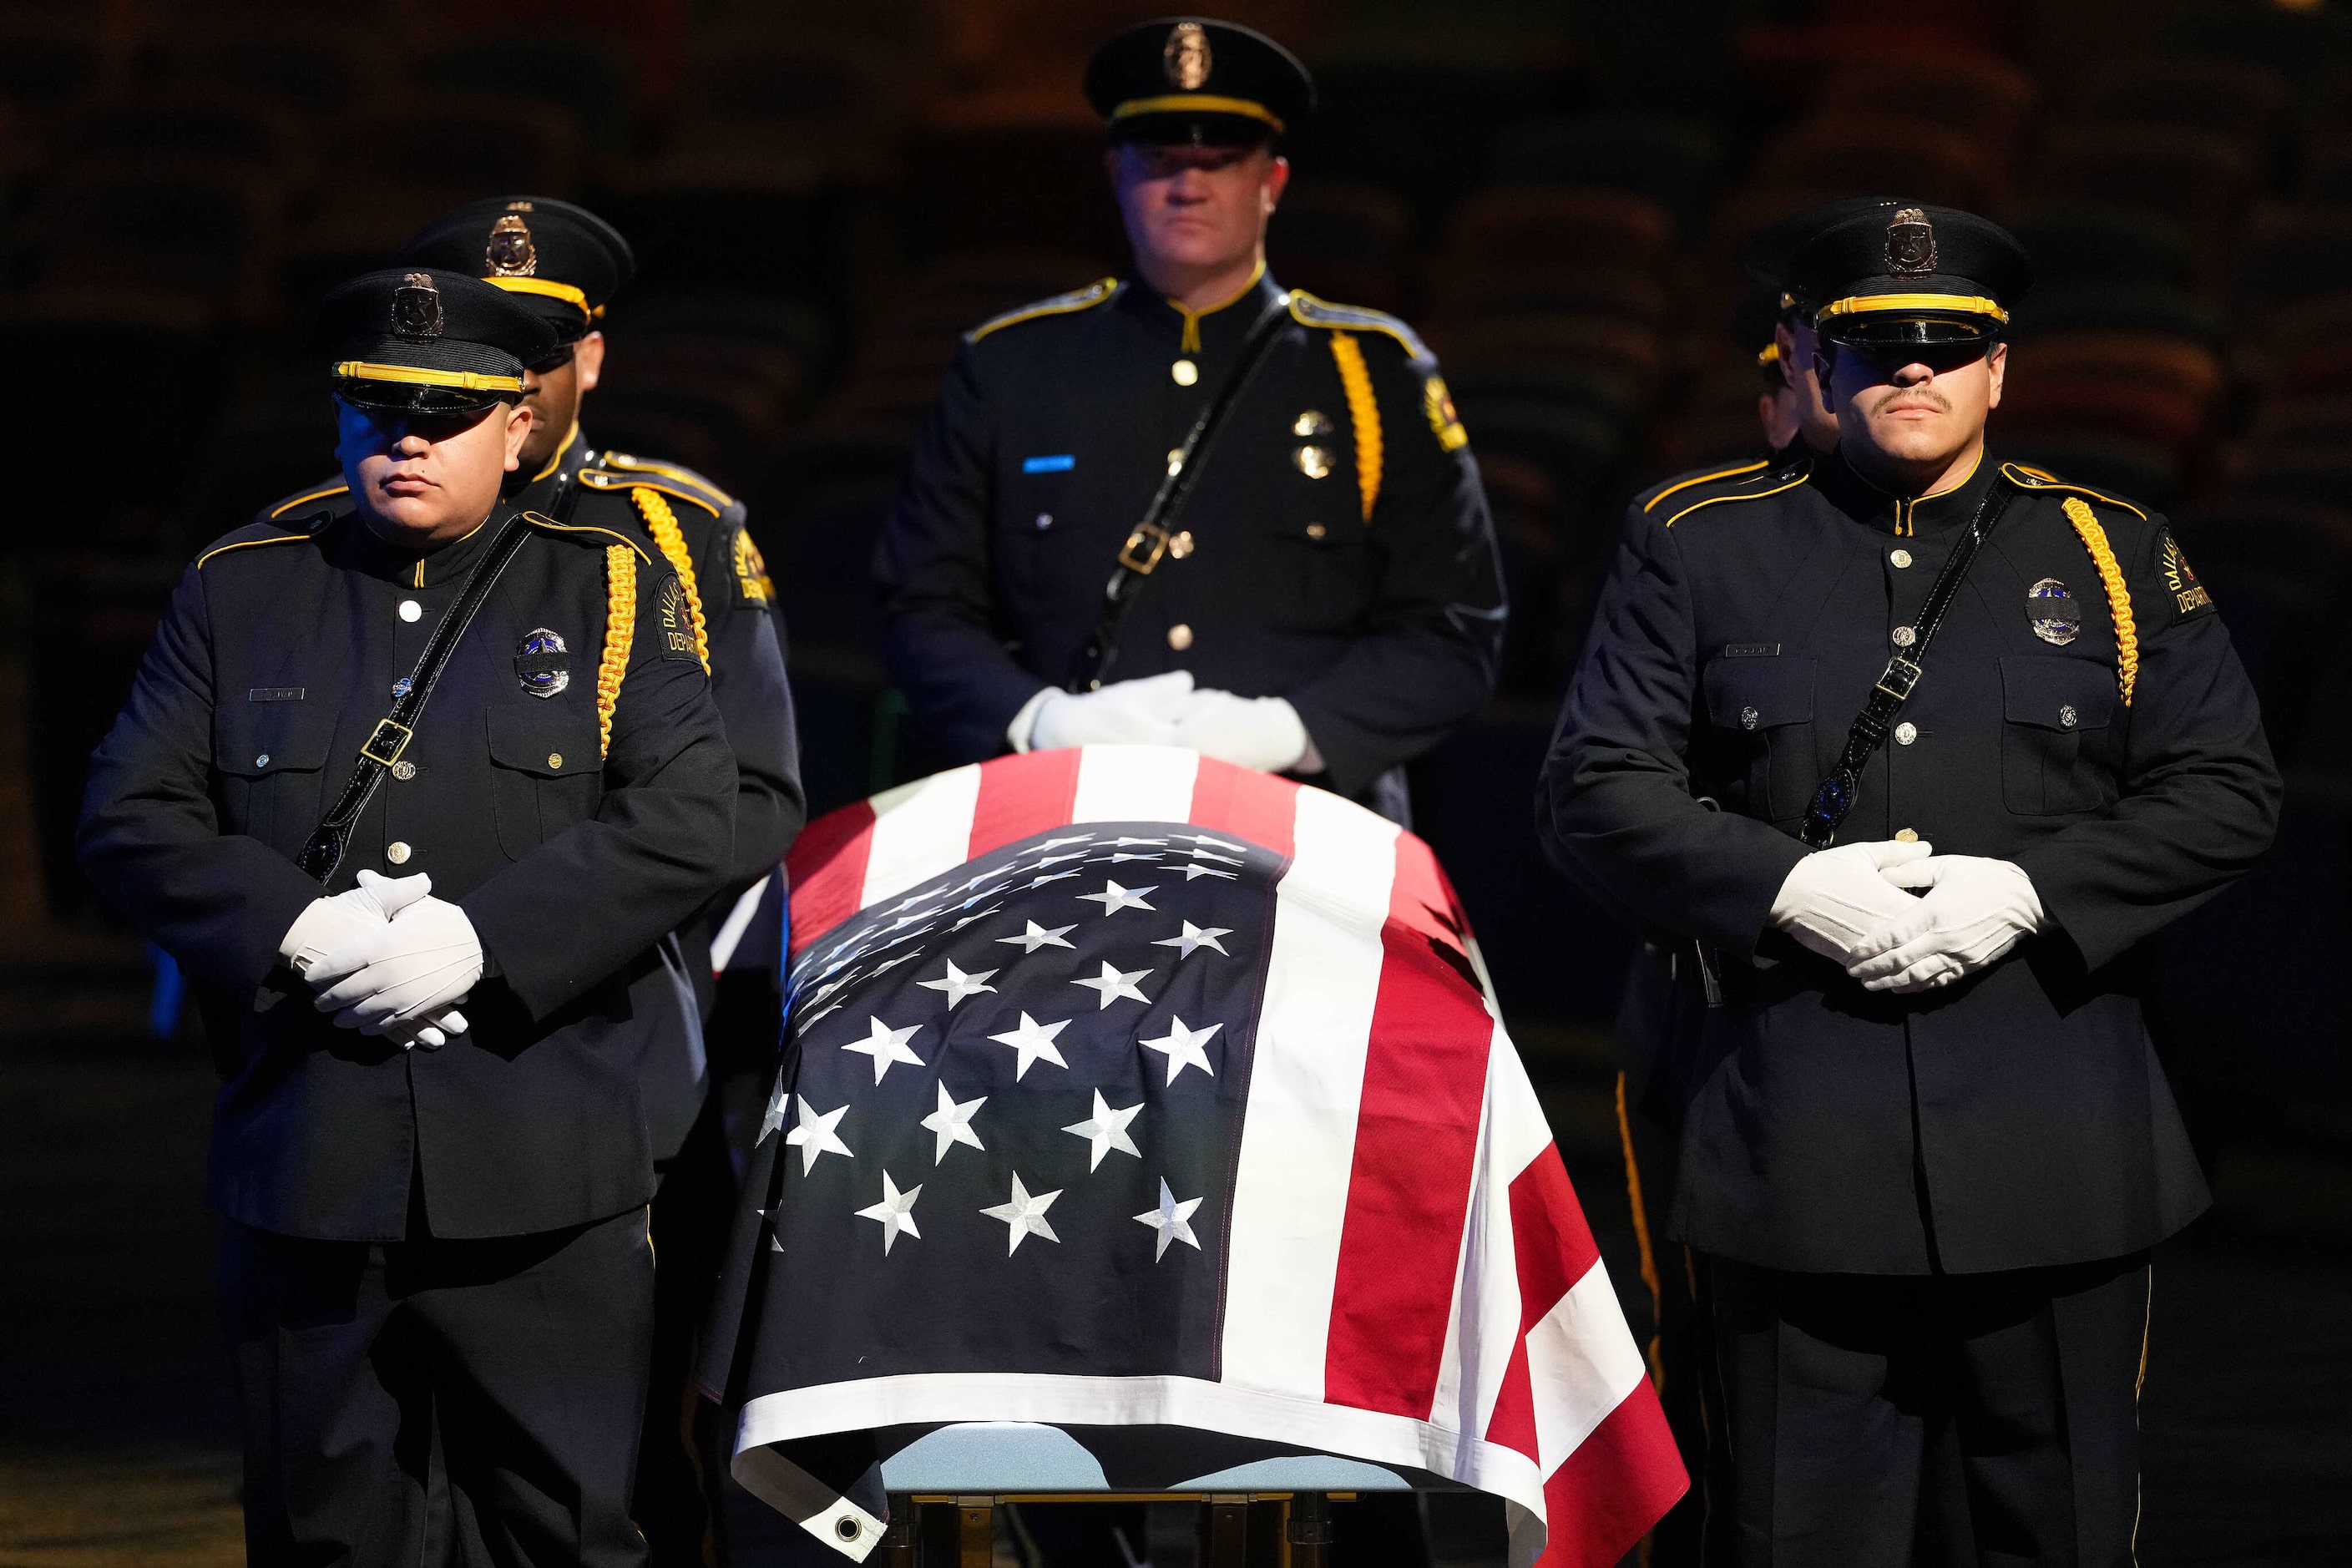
(1977, 1420)
(682, 1457)
(431, 1401)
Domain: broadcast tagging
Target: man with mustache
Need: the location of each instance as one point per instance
(1912, 749)
(415, 790)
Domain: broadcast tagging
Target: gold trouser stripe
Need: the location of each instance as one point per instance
(2111, 576)
(1363, 416)
(547, 287)
(409, 376)
(1642, 1240)
(1196, 103)
(662, 524)
(620, 632)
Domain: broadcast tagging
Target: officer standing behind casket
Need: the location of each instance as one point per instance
(564, 264)
(415, 792)
(1925, 1143)
(1324, 602)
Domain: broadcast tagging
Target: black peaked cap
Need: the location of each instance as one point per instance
(560, 260)
(1194, 80)
(1910, 269)
(427, 340)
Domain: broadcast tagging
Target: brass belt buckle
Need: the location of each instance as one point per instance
(386, 730)
(1145, 532)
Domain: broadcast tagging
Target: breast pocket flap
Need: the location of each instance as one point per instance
(1761, 693)
(2065, 694)
(549, 742)
(254, 740)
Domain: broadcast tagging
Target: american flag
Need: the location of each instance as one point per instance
(1123, 1087)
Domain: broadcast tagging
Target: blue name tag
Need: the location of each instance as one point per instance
(1060, 463)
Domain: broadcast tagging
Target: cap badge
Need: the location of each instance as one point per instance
(417, 307)
(2050, 610)
(510, 253)
(1910, 243)
(1186, 56)
(539, 664)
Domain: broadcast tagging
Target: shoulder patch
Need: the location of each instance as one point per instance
(715, 498)
(1681, 482)
(678, 642)
(752, 584)
(1085, 299)
(614, 483)
(2188, 595)
(245, 538)
(1754, 484)
(1437, 407)
(2042, 479)
(584, 533)
(1309, 311)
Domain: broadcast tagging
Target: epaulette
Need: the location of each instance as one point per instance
(586, 533)
(614, 481)
(2031, 478)
(253, 534)
(1085, 299)
(1309, 311)
(712, 495)
(315, 506)
(1743, 481)
(1647, 500)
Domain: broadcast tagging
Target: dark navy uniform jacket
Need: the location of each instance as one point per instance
(1343, 555)
(572, 860)
(742, 632)
(2016, 1118)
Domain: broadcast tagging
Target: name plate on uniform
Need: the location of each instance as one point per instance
(274, 694)
(1751, 650)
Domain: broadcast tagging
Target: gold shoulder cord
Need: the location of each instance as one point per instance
(2111, 575)
(662, 524)
(1363, 414)
(620, 632)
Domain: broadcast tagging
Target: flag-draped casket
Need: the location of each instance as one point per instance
(1126, 1087)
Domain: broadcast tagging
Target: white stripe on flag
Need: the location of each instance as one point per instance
(920, 830)
(1581, 1364)
(1482, 1330)
(1298, 1130)
(1135, 784)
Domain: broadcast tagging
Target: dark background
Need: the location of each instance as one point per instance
(822, 196)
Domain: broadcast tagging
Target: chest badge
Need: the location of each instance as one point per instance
(540, 665)
(2051, 612)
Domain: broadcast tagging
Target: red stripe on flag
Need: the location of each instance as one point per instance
(1022, 795)
(1512, 1424)
(1248, 805)
(1408, 1187)
(1620, 1480)
(1551, 1245)
(826, 871)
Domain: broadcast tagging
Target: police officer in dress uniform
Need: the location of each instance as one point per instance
(426, 910)
(1326, 604)
(1925, 1145)
(564, 264)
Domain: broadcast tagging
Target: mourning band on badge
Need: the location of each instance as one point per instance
(540, 663)
(2053, 613)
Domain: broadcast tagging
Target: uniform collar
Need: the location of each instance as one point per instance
(361, 549)
(1904, 516)
(542, 491)
(1218, 328)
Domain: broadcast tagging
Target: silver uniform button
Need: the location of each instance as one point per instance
(262, 761)
(2067, 717)
(404, 770)
(1905, 637)
(1899, 559)
(396, 852)
(1906, 734)
(1180, 636)
(410, 610)
(1045, 520)
(1184, 372)
(1749, 718)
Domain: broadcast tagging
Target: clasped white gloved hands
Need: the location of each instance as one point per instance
(1261, 733)
(1850, 905)
(388, 959)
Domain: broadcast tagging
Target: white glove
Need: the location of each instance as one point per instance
(1975, 910)
(425, 961)
(1125, 712)
(335, 921)
(1261, 733)
(1836, 902)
